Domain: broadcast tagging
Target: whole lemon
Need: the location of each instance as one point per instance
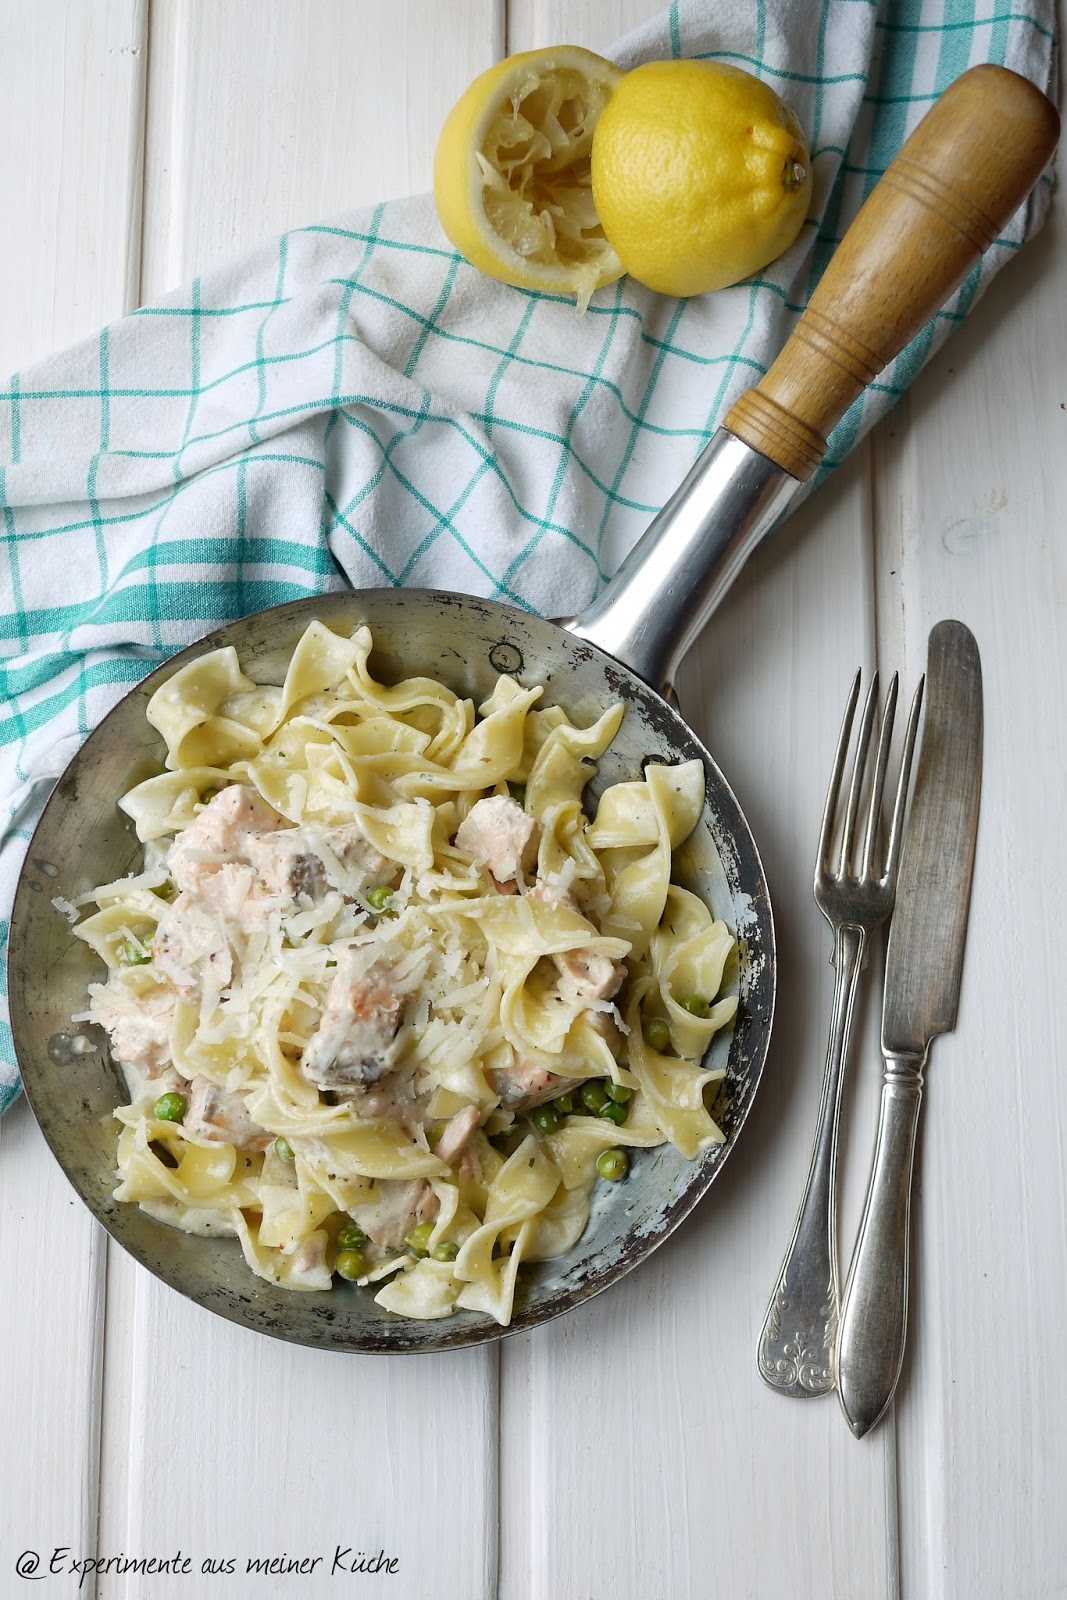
(701, 175)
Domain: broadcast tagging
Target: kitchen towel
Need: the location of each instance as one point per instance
(351, 404)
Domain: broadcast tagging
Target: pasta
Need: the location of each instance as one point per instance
(388, 1003)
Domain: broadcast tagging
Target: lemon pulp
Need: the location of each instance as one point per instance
(512, 178)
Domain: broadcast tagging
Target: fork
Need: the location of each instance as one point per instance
(796, 1348)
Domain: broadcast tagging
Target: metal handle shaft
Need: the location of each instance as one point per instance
(675, 576)
(874, 1312)
(796, 1347)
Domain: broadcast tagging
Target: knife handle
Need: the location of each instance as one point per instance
(940, 204)
(874, 1311)
(795, 1354)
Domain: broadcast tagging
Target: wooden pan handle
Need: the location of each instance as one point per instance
(943, 200)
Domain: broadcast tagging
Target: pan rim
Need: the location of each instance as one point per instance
(453, 1333)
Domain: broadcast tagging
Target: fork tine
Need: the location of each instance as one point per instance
(896, 832)
(826, 837)
(881, 762)
(859, 766)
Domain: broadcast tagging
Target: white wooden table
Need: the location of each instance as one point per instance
(630, 1449)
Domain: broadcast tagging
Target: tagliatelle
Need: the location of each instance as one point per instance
(383, 994)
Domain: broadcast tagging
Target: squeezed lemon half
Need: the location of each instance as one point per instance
(512, 178)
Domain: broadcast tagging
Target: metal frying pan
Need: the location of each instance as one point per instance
(956, 182)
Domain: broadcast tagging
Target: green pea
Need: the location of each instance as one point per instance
(593, 1096)
(169, 1107)
(545, 1118)
(694, 1005)
(615, 1112)
(209, 794)
(380, 898)
(447, 1250)
(283, 1149)
(657, 1034)
(619, 1091)
(612, 1164)
(564, 1104)
(418, 1240)
(350, 1237)
(133, 955)
(351, 1264)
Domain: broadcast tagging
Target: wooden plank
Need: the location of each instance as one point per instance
(52, 1272)
(655, 1426)
(235, 1445)
(596, 24)
(72, 85)
(265, 115)
(970, 514)
(652, 1391)
(72, 82)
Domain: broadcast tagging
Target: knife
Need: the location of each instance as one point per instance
(924, 960)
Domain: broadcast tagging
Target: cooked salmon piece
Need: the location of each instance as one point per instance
(218, 833)
(139, 1039)
(309, 1260)
(457, 1134)
(587, 975)
(498, 831)
(191, 948)
(284, 864)
(215, 1113)
(393, 1096)
(297, 861)
(542, 890)
(400, 1205)
(525, 1084)
(359, 1023)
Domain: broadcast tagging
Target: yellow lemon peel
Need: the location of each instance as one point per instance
(701, 175)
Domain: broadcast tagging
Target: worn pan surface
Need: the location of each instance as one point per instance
(83, 839)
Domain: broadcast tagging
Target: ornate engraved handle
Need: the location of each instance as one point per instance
(796, 1348)
(874, 1314)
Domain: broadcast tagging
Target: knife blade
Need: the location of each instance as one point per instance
(924, 958)
(924, 963)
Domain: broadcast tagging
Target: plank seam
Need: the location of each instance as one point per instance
(95, 1389)
(138, 163)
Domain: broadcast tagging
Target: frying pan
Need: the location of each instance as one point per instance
(942, 202)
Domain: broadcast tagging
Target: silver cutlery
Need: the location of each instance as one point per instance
(924, 960)
(855, 895)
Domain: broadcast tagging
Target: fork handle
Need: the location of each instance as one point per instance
(940, 204)
(874, 1316)
(796, 1347)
